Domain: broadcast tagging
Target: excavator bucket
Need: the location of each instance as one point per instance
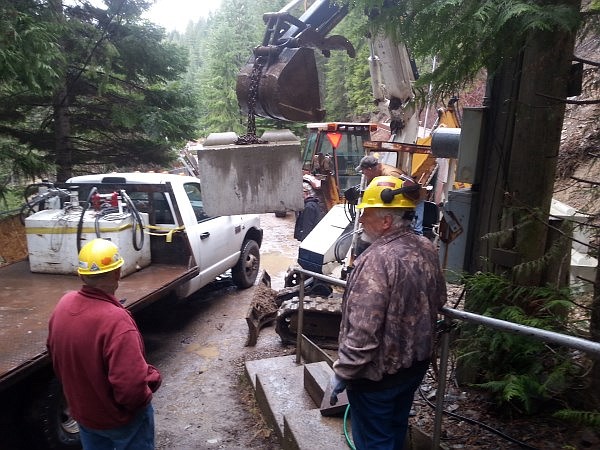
(288, 89)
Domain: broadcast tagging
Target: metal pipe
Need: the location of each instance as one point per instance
(300, 320)
(320, 276)
(590, 347)
(441, 389)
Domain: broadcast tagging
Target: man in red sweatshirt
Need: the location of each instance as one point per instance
(98, 355)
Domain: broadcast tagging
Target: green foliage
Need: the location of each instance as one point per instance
(28, 47)
(466, 35)
(348, 91)
(17, 163)
(521, 373)
(118, 100)
(586, 418)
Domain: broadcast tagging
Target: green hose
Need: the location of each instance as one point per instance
(348, 439)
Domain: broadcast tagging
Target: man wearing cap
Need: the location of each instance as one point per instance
(371, 167)
(98, 356)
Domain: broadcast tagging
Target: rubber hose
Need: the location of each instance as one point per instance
(80, 223)
(348, 439)
(137, 221)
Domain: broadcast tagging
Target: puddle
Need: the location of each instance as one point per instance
(276, 264)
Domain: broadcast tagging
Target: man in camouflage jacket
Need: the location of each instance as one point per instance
(389, 313)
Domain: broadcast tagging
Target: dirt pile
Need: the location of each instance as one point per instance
(13, 244)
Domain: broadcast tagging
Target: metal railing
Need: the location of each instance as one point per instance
(590, 347)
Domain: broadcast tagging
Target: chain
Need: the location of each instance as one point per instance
(250, 136)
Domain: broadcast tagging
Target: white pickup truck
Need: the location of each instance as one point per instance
(174, 202)
(170, 247)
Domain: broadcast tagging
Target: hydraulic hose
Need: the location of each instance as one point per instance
(83, 210)
(137, 222)
(336, 249)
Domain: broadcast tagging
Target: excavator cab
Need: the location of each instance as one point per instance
(280, 80)
(332, 152)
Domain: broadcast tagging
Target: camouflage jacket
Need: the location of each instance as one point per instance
(390, 307)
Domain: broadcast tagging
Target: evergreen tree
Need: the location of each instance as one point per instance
(465, 35)
(119, 101)
(28, 51)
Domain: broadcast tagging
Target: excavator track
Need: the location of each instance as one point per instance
(321, 320)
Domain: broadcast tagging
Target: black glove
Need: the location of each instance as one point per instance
(339, 385)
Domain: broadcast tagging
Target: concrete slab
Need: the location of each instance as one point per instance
(309, 430)
(280, 392)
(251, 179)
(267, 365)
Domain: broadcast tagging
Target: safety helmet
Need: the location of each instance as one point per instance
(99, 256)
(382, 193)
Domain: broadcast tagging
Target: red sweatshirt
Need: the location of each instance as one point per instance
(98, 355)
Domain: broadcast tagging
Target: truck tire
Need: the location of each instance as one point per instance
(245, 271)
(59, 429)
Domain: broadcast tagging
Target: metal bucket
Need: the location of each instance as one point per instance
(288, 88)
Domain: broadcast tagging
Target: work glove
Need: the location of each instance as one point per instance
(339, 385)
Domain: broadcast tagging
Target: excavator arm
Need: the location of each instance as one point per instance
(280, 81)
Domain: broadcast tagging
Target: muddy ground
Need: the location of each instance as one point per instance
(205, 401)
(198, 344)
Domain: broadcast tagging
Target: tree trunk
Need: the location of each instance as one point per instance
(62, 126)
(62, 133)
(521, 151)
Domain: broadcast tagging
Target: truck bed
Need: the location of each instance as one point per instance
(27, 300)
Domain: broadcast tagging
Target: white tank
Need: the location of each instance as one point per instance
(52, 240)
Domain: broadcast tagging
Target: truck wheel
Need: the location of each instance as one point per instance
(60, 431)
(245, 271)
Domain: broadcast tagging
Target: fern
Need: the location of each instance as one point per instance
(520, 372)
(587, 418)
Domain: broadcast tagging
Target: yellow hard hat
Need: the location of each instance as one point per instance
(99, 256)
(388, 192)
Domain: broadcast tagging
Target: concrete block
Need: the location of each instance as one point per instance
(251, 179)
(316, 379)
(280, 392)
(308, 430)
(267, 365)
(333, 410)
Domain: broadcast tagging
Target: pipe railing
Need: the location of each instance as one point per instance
(590, 347)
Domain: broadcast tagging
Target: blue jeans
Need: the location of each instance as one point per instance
(380, 418)
(137, 435)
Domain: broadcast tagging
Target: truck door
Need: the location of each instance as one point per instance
(215, 241)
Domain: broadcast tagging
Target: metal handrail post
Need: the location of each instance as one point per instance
(300, 320)
(441, 389)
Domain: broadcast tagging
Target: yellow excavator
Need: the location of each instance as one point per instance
(281, 81)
